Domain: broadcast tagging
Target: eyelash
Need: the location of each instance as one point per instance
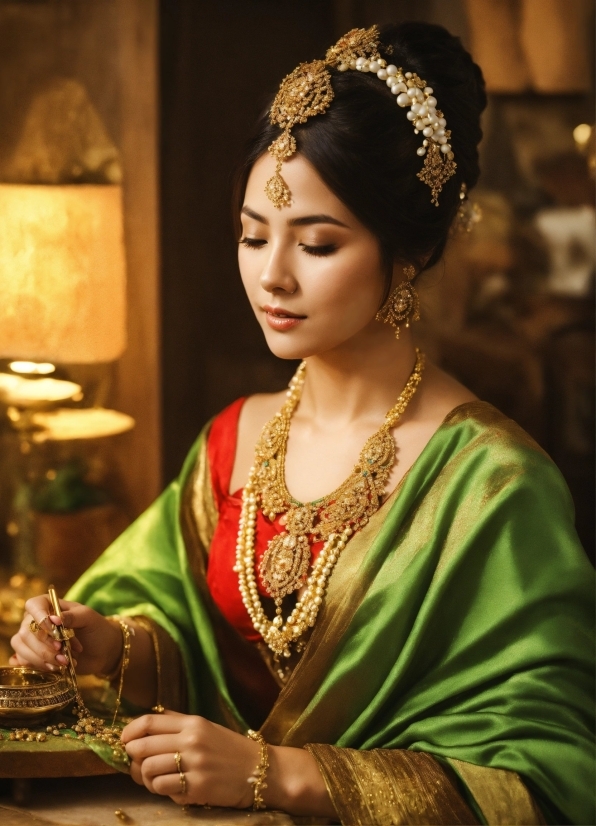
(317, 252)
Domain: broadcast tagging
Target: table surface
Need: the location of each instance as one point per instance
(93, 801)
(68, 758)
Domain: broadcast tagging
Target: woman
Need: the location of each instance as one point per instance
(415, 646)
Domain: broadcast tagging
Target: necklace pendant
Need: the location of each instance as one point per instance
(285, 564)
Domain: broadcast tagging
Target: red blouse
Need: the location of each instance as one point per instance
(221, 579)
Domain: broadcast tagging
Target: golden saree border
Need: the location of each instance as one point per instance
(501, 795)
(198, 519)
(172, 686)
(490, 416)
(389, 787)
(203, 503)
(346, 589)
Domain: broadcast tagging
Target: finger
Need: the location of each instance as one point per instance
(68, 618)
(155, 744)
(153, 767)
(40, 609)
(20, 662)
(28, 658)
(170, 784)
(160, 764)
(153, 724)
(136, 773)
(63, 660)
(42, 632)
(26, 645)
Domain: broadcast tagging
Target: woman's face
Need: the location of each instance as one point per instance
(312, 271)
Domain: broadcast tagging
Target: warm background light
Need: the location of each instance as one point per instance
(33, 368)
(62, 273)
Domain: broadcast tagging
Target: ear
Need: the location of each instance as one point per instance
(403, 271)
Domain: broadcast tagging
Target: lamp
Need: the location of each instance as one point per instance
(62, 300)
(62, 273)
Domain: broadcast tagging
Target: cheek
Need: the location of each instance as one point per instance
(249, 269)
(352, 289)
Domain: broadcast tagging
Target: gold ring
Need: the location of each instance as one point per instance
(178, 759)
(34, 626)
(182, 782)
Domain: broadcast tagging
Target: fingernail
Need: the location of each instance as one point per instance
(57, 645)
(60, 658)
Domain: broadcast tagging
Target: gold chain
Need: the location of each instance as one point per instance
(332, 519)
(258, 777)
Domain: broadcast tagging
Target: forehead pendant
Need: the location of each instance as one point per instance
(307, 91)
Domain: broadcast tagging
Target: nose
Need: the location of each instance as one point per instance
(277, 275)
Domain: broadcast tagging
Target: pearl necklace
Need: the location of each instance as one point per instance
(334, 518)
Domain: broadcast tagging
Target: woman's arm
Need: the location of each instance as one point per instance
(217, 764)
(97, 647)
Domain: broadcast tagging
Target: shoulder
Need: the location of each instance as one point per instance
(497, 456)
(233, 434)
(256, 412)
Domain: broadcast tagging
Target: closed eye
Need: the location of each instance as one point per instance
(252, 243)
(320, 251)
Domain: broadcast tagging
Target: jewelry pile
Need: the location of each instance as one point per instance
(332, 519)
(86, 726)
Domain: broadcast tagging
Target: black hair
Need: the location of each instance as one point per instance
(364, 147)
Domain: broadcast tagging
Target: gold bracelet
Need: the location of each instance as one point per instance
(127, 633)
(257, 779)
(115, 672)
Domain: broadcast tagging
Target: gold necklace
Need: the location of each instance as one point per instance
(332, 519)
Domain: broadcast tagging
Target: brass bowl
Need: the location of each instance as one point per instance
(28, 696)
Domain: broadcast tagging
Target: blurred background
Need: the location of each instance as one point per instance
(123, 324)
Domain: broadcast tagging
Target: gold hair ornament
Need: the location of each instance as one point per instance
(307, 91)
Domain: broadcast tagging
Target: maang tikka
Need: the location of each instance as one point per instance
(403, 305)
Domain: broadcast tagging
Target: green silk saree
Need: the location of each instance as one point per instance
(449, 676)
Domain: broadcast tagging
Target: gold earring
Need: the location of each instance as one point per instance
(402, 305)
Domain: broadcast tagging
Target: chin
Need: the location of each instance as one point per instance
(291, 346)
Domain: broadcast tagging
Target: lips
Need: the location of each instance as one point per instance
(280, 319)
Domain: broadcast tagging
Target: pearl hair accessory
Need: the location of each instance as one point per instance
(307, 91)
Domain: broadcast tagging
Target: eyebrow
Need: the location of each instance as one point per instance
(304, 221)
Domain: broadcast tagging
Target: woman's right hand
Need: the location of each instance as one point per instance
(96, 646)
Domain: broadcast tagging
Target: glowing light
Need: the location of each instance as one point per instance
(32, 368)
(581, 134)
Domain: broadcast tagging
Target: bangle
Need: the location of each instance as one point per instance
(127, 632)
(257, 779)
(113, 675)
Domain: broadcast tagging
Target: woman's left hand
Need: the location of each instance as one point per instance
(216, 762)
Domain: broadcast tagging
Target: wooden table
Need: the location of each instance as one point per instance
(93, 801)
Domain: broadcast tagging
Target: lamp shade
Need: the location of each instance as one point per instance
(62, 273)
